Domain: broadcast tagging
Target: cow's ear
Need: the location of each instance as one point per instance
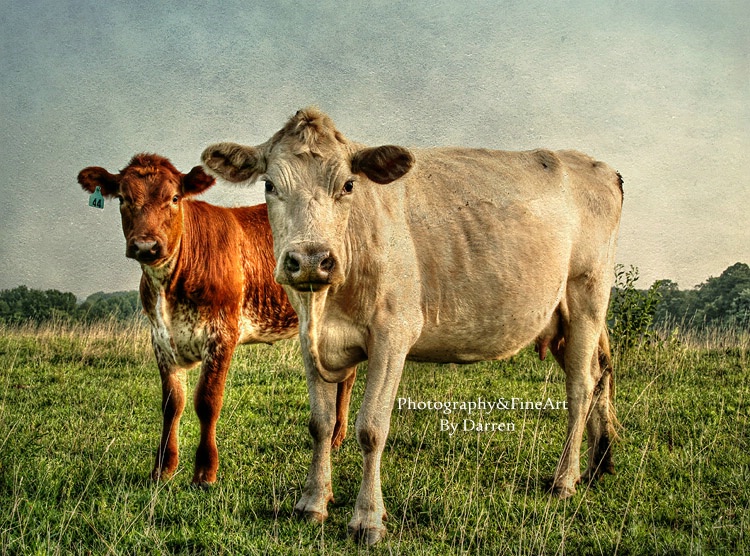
(92, 177)
(233, 162)
(196, 181)
(383, 164)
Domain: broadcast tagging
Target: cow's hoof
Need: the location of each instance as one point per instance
(312, 516)
(366, 528)
(593, 475)
(366, 535)
(307, 509)
(562, 492)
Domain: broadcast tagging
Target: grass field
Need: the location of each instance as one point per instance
(80, 421)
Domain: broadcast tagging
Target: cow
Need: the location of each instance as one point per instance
(435, 254)
(206, 286)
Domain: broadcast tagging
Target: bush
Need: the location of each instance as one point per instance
(631, 311)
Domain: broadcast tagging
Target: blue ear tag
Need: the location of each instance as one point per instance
(96, 199)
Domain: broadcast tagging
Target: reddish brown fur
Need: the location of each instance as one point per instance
(207, 285)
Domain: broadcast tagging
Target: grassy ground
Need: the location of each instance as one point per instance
(80, 419)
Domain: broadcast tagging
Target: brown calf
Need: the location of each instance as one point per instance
(207, 285)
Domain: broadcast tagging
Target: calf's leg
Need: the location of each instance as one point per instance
(343, 397)
(173, 403)
(208, 399)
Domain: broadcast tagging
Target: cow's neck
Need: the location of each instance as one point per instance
(161, 276)
(311, 312)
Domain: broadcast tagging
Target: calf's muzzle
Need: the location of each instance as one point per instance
(144, 251)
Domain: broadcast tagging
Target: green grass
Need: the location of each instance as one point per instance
(80, 422)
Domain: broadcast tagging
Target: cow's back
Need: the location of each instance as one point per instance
(495, 236)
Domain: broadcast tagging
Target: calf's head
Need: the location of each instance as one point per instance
(150, 190)
(312, 175)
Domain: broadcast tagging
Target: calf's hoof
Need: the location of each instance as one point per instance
(161, 474)
(204, 478)
(338, 439)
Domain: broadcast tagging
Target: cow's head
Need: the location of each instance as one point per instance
(312, 174)
(150, 190)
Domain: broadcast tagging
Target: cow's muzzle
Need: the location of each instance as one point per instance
(307, 267)
(144, 251)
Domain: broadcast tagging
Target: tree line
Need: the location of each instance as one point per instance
(722, 301)
(22, 305)
(637, 315)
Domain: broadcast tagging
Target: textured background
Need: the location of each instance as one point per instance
(659, 90)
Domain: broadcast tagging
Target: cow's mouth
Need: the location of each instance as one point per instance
(150, 259)
(307, 287)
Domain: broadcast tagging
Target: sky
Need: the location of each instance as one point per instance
(659, 90)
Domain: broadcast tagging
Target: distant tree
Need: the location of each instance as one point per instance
(675, 307)
(22, 304)
(739, 311)
(117, 305)
(721, 300)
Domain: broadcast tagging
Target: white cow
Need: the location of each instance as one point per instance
(441, 254)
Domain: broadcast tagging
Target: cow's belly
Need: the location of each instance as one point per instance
(493, 329)
(490, 288)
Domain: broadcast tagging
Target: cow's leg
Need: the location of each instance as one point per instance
(172, 405)
(600, 424)
(343, 397)
(587, 308)
(208, 399)
(373, 424)
(318, 490)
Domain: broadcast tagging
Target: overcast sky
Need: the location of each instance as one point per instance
(660, 90)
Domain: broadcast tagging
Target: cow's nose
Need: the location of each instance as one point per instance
(309, 266)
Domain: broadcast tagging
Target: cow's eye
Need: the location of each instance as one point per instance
(270, 187)
(175, 199)
(348, 187)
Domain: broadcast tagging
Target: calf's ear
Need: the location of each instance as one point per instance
(233, 162)
(92, 177)
(383, 164)
(196, 181)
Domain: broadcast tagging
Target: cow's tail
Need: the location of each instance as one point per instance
(608, 374)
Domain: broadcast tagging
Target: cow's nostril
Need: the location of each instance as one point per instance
(291, 263)
(327, 264)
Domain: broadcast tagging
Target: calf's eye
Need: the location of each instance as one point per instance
(270, 187)
(348, 187)
(175, 198)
